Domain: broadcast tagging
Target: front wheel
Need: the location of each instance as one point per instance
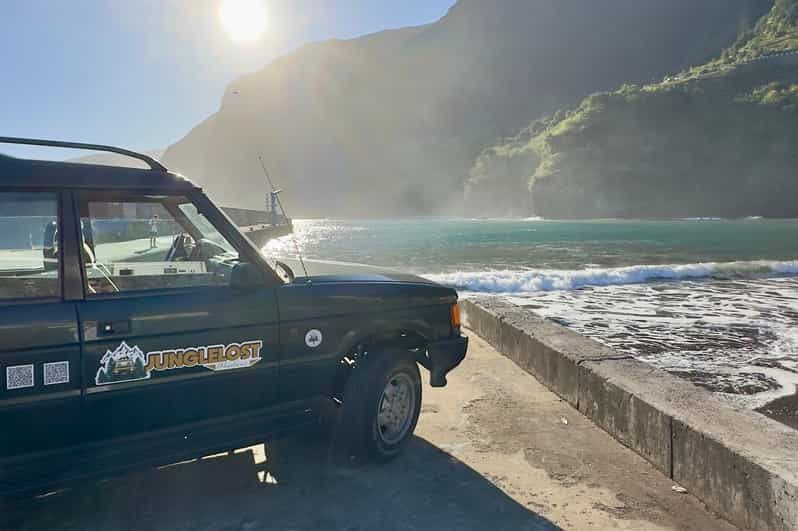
(381, 405)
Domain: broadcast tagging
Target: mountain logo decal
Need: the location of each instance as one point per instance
(129, 364)
(124, 364)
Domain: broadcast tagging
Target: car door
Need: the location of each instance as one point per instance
(167, 341)
(40, 385)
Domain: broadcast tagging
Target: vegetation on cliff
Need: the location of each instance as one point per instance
(714, 140)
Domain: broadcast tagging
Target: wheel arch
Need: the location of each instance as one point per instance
(359, 348)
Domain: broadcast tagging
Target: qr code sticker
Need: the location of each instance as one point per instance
(56, 373)
(19, 377)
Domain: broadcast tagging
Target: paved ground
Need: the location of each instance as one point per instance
(494, 450)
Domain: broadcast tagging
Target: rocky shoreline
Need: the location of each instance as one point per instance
(732, 337)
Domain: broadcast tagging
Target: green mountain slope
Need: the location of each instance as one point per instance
(388, 124)
(716, 140)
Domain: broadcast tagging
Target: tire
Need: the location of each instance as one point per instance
(381, 404)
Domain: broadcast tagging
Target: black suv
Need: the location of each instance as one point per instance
(139, 327)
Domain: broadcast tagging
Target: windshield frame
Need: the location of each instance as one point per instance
(247, 250)
(198, 224)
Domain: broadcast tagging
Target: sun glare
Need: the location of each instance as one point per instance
(244, 20)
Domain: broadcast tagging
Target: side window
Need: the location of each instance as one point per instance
(139, 243)
(29, 245)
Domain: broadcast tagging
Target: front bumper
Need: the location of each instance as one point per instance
(443, 356)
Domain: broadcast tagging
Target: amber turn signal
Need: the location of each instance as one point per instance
(455, 315)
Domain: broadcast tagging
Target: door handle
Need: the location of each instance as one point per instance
(110, 328)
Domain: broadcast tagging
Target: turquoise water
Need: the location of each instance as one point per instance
(447, 246)
(715, 301)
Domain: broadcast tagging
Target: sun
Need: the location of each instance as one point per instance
(244, 20)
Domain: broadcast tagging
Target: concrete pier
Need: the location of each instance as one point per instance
(740, 463)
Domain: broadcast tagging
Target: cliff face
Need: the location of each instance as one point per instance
(711, 147)
(715, 140)
(388, 124)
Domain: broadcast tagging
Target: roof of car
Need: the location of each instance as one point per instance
(29, 173)
(26, 173)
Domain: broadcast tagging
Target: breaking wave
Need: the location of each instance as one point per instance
(551, 279)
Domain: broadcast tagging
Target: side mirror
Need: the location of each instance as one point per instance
(245, 275)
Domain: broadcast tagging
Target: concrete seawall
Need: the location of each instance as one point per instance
(741, 464)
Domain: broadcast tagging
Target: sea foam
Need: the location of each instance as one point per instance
(533, 280)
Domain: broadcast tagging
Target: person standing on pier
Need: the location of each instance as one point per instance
(154, 231)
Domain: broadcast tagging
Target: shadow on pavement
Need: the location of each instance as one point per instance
(295, 488)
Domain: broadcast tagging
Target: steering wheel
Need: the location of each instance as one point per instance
(193, 249)
(182, 248)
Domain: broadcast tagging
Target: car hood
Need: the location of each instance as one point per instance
(345, 289)
(320, 271)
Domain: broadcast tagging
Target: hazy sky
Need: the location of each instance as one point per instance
(141, 73)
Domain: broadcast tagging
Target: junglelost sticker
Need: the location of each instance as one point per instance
(127, 364)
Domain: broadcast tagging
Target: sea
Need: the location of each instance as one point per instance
(714, 301)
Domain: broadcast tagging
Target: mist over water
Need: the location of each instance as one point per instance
(715, 301)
